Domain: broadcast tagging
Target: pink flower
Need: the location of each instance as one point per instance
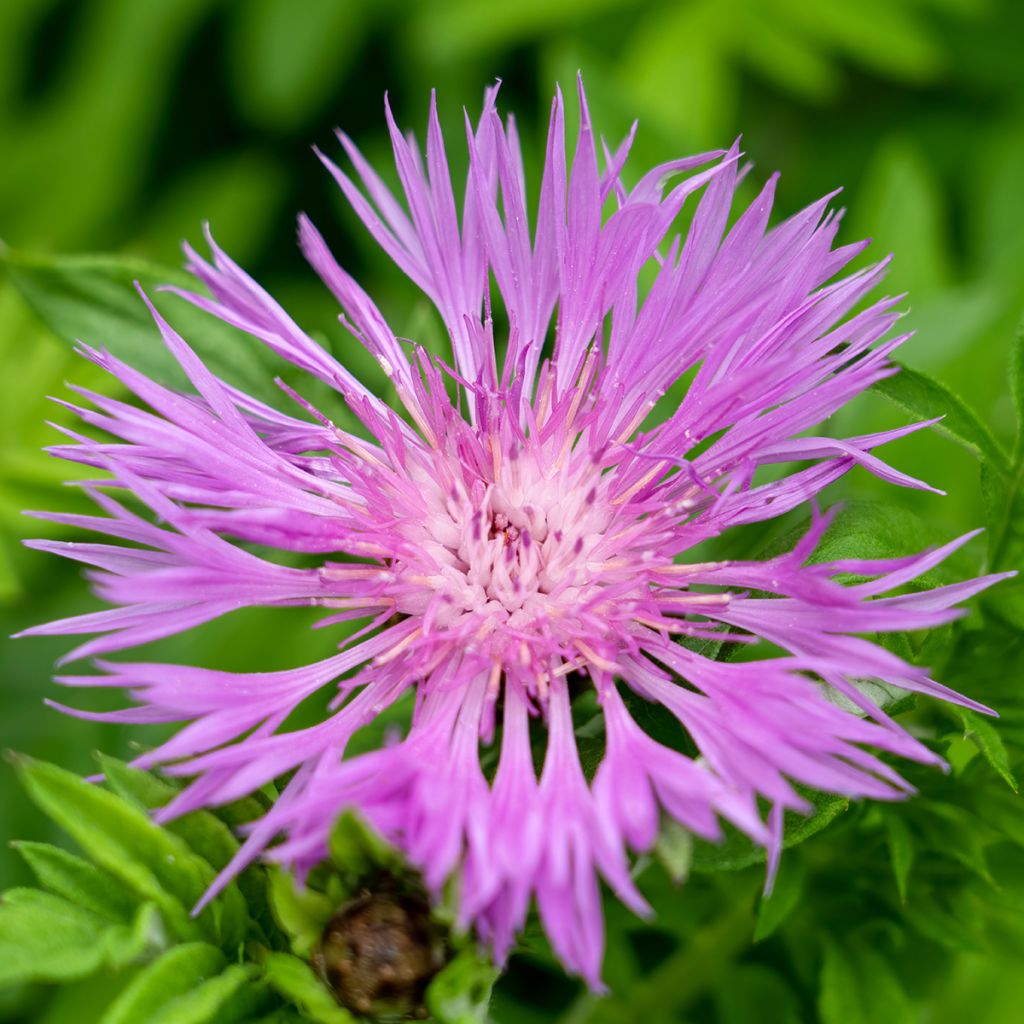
(530, 539)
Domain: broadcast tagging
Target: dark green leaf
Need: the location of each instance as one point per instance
(738, 851)
(785, 895)
(839, 992)
(988, 741)
(177, 972)
(754, 992)
(93, 299)
(901, 851)
(927, 398)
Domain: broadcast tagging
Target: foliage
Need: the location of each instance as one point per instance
(125, 910)
(126, 125)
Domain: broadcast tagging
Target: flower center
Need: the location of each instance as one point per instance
(514, 550)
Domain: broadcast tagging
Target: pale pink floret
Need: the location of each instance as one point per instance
(532, 538)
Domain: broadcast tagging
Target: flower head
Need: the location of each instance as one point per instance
(521, 529)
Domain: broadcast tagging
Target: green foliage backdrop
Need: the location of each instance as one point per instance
(125, 124)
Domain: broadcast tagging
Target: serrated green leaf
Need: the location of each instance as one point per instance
(125, 842)
(927, 398)
(177, 972)
(295, 980)
(461, 992)
(93, 299)
(302, 913)
(901, 851)
(738, 851)
(988, 741)
(226, 998)
(47, 938)
(77, 880)
(779, 904)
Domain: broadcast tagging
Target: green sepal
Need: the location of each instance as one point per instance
(297, 982)
(302, 913)
(461, 992)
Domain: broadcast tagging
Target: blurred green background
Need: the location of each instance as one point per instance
(125, 124)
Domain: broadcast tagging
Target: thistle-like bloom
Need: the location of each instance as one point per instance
(521, 529)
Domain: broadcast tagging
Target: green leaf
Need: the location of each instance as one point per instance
(77, 880)
(927, 398)
(124, 841)
(461, 991)
(286, 66)
(226, 998)
(839, 988)
(177, 972)
(302, 913)
(356, 848)
(93, 299)
(738, 851)
(295, 980)
(47, 938)
(754, 992)
(674, 849)
(204, 833)
(785, 895)
(901, 851)
(988, 741)
(1017, 382)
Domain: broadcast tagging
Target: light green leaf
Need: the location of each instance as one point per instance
(225, 998)
(77, 880)
(295, 980)
(927, 398)
(177, 972)
(1017, 384)
(46, 938)
(779, 904)
(461, 991)
(124, 841)
(93, 299)
(356, 848)
(203, 832)
(988, 741)
(302, 913)
(674, 849)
